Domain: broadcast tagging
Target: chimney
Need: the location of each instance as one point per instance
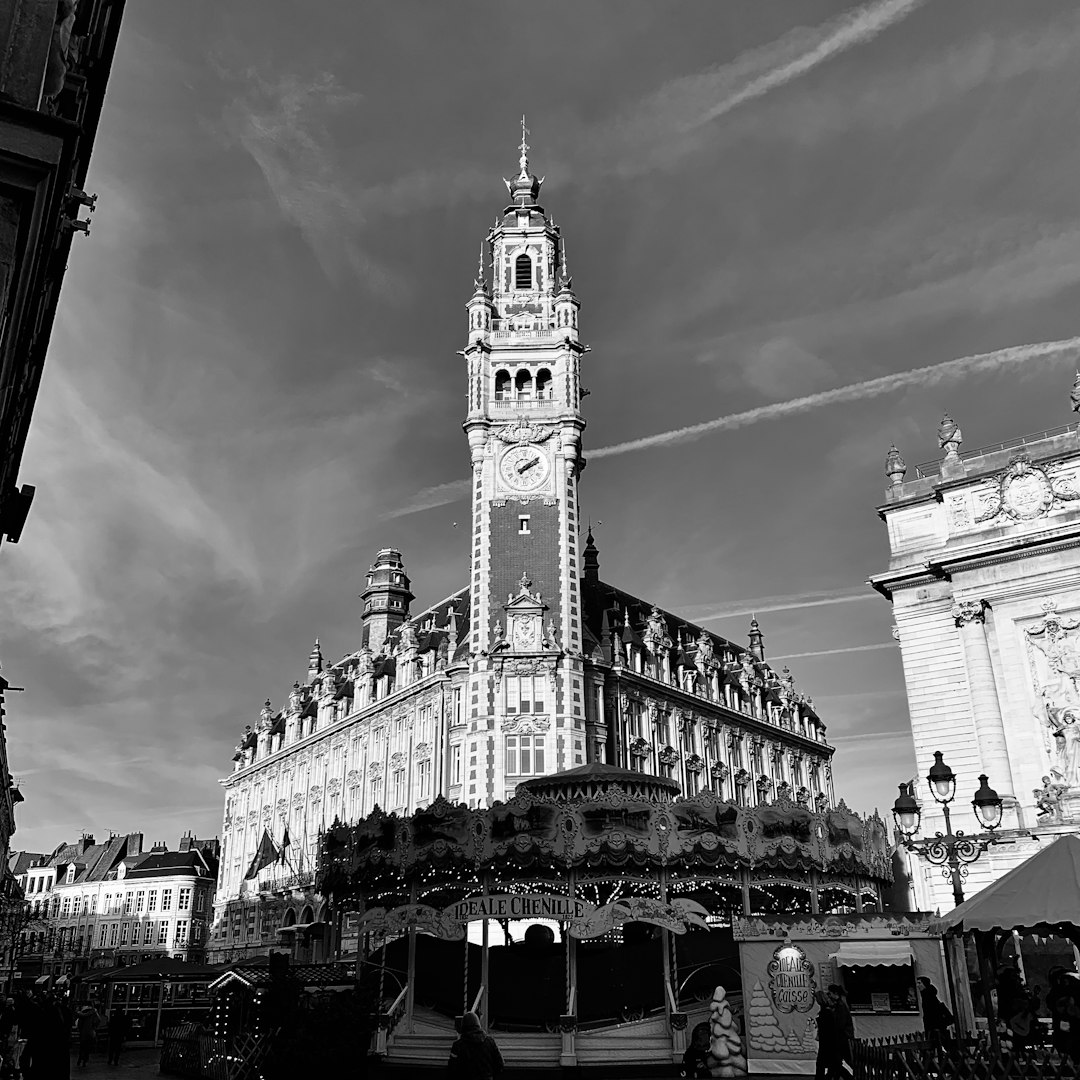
(134, 843)
(187, 842)
(86, 842)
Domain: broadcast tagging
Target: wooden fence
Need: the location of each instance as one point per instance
(916, 1058)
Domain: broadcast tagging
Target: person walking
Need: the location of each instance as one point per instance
(475, 1055)
(118, 1030)
(87, 1021)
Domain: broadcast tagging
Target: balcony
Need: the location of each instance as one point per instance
(501, 331)
(522, 403)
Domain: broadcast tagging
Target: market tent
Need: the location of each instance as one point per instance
(1043, 892)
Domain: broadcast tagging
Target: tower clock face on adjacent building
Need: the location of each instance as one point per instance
(524, 468)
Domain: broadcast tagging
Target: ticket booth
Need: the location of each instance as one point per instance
(876, 958)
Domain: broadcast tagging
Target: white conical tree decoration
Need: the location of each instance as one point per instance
(761, 1024)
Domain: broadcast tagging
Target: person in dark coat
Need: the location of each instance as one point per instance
(87, 1022)
(118, 1031)
(475, 1055)
(937, 1019)
(835, 1028)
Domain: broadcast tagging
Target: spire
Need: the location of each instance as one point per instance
(591, 559)
(525, 188)
(757, 639)
(481, 281)
(315, 662)
(523, 161)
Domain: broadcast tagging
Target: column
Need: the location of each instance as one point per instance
(970, 620)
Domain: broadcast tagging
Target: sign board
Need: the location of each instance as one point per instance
(520, 906)
(791, 980)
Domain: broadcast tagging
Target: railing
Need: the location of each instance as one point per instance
(915, 1057)
(530, 334)
(525, 403)
(929, 469)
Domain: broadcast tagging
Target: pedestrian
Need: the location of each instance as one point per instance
(88, 1020)
(118, 1030)
(475, 1054)
(835, 1029)
(696, 1055)
(937, 1019)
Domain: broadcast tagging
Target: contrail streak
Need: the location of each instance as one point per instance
(779, 603)
(931, 375)
(860, 391)
(847, 31)
(834, 652)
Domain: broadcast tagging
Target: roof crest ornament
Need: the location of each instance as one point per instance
(523, 160)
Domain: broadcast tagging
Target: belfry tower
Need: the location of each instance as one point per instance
(525, 713)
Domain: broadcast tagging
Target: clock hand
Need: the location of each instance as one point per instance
(528, 464)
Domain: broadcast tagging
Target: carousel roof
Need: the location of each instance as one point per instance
(595, 778)
(1042, 891)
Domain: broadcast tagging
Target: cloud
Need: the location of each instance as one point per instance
(430, 497)
(930, 375)
(282, 125)
(782, 367)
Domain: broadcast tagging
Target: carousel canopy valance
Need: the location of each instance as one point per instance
(612, 828)
(872, 954)
(1043, 891)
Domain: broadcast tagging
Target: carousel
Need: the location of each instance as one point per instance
(589, 919)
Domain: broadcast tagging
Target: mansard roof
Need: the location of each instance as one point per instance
(21, 861)
(171, 864)
(629, 613)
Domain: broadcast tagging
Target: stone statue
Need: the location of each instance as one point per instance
(1069, 750)
(1048, 798)
(498, 635)
(551, 636)
(407, 640)
(1074, 397)
(266, 716)
(655, 630)
(705, 653)
(949, 436)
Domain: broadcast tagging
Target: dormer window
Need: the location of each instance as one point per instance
(71, 874)
(523, 272)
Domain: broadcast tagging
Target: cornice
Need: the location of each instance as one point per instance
(728, 716)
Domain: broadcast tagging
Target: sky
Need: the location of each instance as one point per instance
(253, 382)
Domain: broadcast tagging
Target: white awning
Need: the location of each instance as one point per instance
(872, 953)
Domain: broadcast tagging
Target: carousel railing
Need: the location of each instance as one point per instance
(476, 1000)
(915, 1057)
(388, 1019)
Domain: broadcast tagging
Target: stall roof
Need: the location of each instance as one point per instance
(168, 967)
(872, 953)
(1042, 891)
(309, 976)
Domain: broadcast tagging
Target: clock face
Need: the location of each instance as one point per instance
(524, 468)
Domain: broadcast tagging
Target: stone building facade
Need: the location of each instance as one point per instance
(984, 579)
(534, 666)
(100, 905)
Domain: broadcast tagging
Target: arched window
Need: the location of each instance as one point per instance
(543, 385)
(523, 384)
(523, 272)
(502, 385)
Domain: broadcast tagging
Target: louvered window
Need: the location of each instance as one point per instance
(523, 272)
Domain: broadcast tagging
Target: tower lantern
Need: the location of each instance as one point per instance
(386, 598)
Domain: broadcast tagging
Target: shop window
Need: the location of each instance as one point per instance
(880, 988)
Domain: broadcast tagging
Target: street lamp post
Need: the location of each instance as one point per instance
(953, 851)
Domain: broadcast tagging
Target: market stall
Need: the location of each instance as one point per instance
(156, 994)
(1040, 897)
(786, 960)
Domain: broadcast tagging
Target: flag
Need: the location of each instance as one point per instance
(266, 854)
(284, 844)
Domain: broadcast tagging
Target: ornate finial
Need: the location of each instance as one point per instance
(895, 466)
(757, 639)
(949, 436)
(525, 582)
(480, 282)
(523, 161)
(315, 661)
(1074, 397)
